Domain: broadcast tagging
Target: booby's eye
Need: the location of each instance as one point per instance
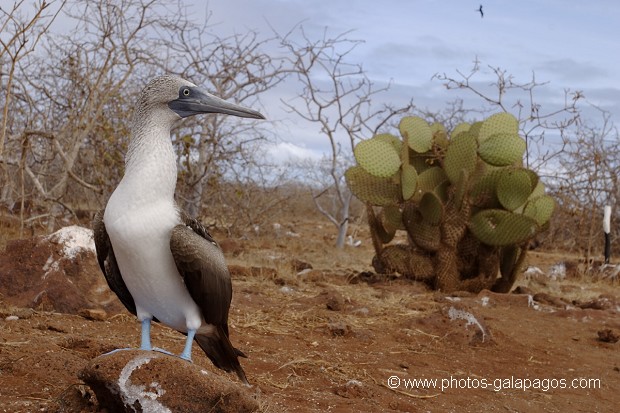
(186, 92)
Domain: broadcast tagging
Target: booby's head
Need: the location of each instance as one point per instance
(186, 99)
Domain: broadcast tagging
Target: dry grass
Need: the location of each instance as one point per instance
(281, 319)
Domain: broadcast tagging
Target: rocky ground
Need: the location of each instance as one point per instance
(333, 337)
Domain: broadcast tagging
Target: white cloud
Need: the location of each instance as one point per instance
(289, 152)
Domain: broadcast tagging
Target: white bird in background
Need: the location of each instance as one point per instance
(162, 264)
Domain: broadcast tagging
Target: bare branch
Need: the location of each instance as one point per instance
(337, 96)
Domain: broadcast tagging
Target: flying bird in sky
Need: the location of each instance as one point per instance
(479, 9)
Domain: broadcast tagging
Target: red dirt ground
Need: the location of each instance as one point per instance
(332, 339)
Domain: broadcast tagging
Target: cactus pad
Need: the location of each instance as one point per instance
(378, 229)
(392, 218)
(508, 257)
(431, 179)
(391, 139)
(418, 133)
(440, 136)
(498, 227)
(460, 128)
(431, 208)
(540, 209)
(369, 188)
(474, 129)
(502, 149)
(539, 187)
(421, 162)
(408, 181)
(378, 157)
(484, 188)
(514, 188)
(406, 261)
(498, 123)
(425, 235)
(461, 156)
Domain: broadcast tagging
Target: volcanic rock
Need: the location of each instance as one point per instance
(149, 381)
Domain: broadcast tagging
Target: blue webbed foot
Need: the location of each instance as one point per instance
(145, 342)
(114, 351)
(161, 350)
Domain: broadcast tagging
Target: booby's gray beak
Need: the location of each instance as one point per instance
(193, 101)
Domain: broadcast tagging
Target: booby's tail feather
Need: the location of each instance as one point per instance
(220, 351)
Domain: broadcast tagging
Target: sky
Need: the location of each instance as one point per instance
(571, 44)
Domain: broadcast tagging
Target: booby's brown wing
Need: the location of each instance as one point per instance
(107, 262)
(201, 263)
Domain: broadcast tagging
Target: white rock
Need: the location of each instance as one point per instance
(455, 313)
(74, 240)
(558, 271)
(532, 272)
(286, 290)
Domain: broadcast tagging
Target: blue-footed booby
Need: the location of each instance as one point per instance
(162, 264)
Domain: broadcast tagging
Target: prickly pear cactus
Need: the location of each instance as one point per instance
(468, 205)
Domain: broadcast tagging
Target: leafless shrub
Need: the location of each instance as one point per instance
(65, 131)
(577, 160)
(337, 96)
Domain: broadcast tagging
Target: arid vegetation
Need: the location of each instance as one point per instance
(67, 95)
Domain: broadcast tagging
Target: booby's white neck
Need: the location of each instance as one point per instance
(150, 163)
